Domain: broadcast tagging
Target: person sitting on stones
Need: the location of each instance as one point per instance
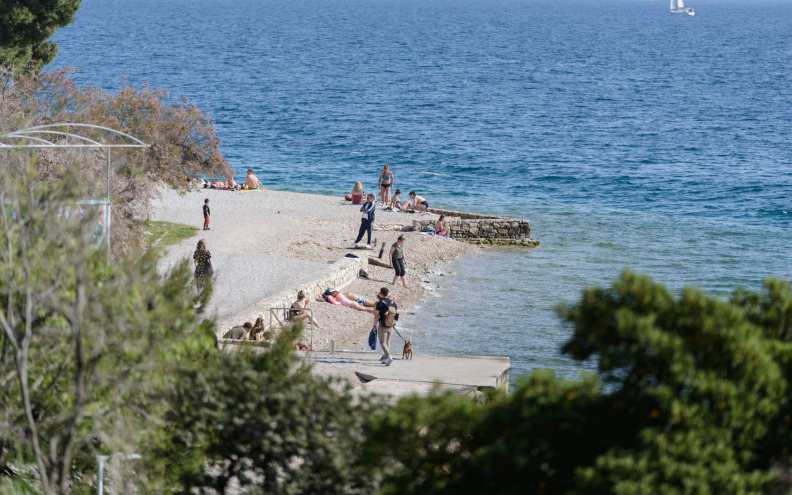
(258, 332)
(239, 332)
(441, 228)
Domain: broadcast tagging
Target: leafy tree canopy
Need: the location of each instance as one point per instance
(696, 400)
(85, 346)
(27, 25)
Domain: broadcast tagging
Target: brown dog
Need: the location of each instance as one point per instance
(408, 350)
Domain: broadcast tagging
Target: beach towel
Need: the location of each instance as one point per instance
(440, 236)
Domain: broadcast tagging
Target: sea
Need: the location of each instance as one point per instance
(630, 137)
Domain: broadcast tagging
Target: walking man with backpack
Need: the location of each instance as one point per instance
(386, 315)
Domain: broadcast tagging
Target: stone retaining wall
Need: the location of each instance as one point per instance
(483, 229)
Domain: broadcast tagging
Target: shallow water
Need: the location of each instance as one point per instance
(629, 137)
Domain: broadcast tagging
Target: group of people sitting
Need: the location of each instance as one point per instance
(298, 311)
(251, 183)
(415, 203)
(247, 331)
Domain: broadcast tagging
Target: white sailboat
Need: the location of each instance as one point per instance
(678, 7)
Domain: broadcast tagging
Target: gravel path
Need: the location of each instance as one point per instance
(263, 243)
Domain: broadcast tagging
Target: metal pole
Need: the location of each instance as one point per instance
(108, 200)
(311, 313)
(101, 459)
(107, 216)
(108, 174)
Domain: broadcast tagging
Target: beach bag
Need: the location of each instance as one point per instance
(428, 229)
(393, 315)
(209, 268)
(372, 342)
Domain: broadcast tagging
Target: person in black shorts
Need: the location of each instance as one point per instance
(206, 214)
(418, 203)
(396, 256)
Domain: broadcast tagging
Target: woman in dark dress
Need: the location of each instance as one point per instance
(203, 265)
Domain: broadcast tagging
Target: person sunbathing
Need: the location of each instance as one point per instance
(396, 203)
(231, 184)
(417, 203)
(252, 182)
(441, 228)
(352, 300)
(299, 313)
(258, 332)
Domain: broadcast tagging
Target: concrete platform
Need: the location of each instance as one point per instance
(460, 374)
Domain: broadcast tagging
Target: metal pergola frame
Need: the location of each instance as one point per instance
(56, 136)
(43, 136)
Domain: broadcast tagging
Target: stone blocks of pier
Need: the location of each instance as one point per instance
(483, 229)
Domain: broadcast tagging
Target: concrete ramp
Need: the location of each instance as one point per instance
(463, 375)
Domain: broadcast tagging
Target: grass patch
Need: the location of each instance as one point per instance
(160, 235)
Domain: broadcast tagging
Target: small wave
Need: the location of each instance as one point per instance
(434, 173)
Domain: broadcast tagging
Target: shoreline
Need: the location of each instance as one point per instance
(270, 243)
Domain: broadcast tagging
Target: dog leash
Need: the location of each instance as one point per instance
(400, 335)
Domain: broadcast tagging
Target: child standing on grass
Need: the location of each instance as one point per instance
(206, 214)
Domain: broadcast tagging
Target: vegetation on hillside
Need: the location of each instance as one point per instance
(182, 138)
(691, 395)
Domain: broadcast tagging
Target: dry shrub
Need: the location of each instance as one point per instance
(183, 143)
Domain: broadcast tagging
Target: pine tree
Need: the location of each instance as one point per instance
(27, 25)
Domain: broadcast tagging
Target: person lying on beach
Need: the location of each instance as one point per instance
(252, 183)
(230, 185)
(441, 228)
(300, 314)
(350, 300)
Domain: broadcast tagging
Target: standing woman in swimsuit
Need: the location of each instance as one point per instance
(385, 183)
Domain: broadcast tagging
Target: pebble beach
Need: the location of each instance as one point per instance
(266, 242)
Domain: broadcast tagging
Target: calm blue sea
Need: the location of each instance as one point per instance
(630, 137)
